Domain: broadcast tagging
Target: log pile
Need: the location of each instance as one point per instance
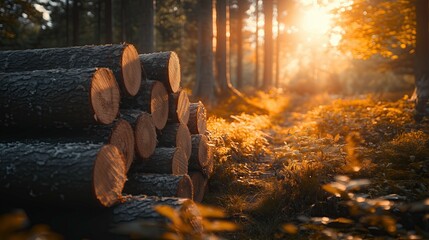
(80, 123)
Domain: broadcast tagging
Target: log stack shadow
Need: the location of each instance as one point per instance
(79, 123)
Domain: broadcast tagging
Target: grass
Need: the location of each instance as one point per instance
(272, 168)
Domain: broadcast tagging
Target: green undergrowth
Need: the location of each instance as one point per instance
(273, 171)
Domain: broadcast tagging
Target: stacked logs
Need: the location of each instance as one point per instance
(91, 125)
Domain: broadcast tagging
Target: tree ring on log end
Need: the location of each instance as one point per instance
(180, 162)
(183, 140)
(104, 96)
(131, 70)
(123, 137)
(159, 105)
(204, 151)
(174, 72)
(201, 118)
(109, 175)
(183, 107)
(185, 188)
(145, 135)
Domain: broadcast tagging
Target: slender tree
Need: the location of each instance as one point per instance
(204, 86)
(256, 71)
(108, 21)
(76, 22)
(241, 13)
(422, 57)
(221, 51)
(268, 44)
(146, 36)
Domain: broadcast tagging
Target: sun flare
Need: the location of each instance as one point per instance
(316, 20)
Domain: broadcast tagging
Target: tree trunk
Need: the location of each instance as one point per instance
(268, 44)
(256, 72)
(163, 160)
(122, 59)
(160, 185)
(144, 131)
(152, 98)
(178, 107)
(207, 170)
(63, 174)
(221, 50)
(176, 135)
(76, 22)
(197, 123)
(199, 183)
(67, 22)
(239, 31)
(163, 67)
(422, 59)
(72, 98)
(204, 86)
(202, 153)
(146, 38)
(108, 21)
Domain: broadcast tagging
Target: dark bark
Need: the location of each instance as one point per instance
(144, 131)
(163, 67)
(176, 135)
(62, 174)
(122, 59)
(160, 185)
(67, 22)
(197, 123)
(146, 38)
(58, 98)
(178, 107)
(152, 98)
(163, 160)
(204, 86)
(202, 153)
(268, 44)
(239, 31)
(199, 183)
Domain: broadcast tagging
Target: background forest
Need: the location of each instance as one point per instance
(343, 47)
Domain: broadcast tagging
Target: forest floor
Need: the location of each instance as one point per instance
(321, 167)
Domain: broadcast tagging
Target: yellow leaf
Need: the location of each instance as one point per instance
(208, 211)
(169, 213)
(290, 228)
(219, 226)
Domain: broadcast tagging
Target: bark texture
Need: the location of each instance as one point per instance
(197, 122)
(62, 174)
(178, 107)
(122, 59)
(164, 67)
(152, 98)
(176, 135)
(73, 98)
(160, 185)
(163, 160)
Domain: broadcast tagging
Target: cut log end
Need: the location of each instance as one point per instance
(123, 137)
(182, 110)
(197, 123)
(131, 70)
(183, 140)
(104, 96)
(205, 153)
(159, 105)
(174, 72)
(109, 175)
(145, 135)
(185, 188)
(180, 162)
(199, 183)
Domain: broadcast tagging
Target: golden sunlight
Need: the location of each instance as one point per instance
(316, 20)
